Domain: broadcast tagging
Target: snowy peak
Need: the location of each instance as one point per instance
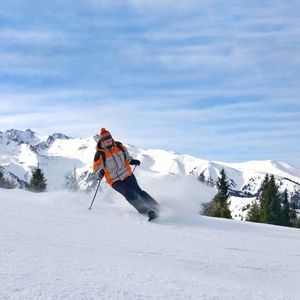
(58, 136)
(277, 168)
(19, 136)
(29, 137)
(50, 140)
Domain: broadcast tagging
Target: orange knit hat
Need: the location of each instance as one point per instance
(105, 135)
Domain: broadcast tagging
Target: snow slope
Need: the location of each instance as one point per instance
(53, 247)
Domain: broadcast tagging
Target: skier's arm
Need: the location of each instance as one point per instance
(128, 157)
(98, 164)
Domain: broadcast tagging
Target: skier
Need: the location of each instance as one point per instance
(113, 161)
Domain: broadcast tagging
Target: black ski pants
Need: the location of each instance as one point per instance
(138, 198)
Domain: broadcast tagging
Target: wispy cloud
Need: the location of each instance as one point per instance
(145, 5)
(33, 37)
(215, 79)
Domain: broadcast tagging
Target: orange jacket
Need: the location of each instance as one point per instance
(116, 165)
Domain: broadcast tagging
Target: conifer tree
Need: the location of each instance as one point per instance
(1, 176)
(264, 200)
(223, 194)
(73, 183)
(286, 209)
(276, 214)
(2, 180)
(218, 207)
(254, 214)
(293, 214)
(38, 182)
(271, 211)
(297, 222)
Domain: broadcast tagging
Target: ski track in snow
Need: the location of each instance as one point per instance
(53, 247)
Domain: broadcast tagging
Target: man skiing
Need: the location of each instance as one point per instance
(113, 161)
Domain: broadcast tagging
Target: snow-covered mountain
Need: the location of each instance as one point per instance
(62, 158)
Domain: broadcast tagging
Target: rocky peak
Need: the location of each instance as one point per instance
(19, 136)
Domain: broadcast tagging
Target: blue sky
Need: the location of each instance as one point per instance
(216, 79)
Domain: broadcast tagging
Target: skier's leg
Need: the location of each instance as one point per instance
(131, 196)
(152, 202)
(132, 182)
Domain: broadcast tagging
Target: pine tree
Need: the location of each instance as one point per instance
(297, 222)
(293, 214)
(218, 207)
(254, 213)
(276, 212)
(73, 183)
(270, 204)
(286, 209)
(2, 180)
(223, 194)
(38, 182)
(1, 176)
(264, 200)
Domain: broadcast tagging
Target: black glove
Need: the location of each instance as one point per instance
(135, 162)
(99, 174)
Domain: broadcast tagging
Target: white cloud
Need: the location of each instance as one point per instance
(154, 124)
(150, 114)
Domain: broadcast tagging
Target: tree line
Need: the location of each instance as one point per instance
(272, 207)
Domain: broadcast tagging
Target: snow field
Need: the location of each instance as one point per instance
(53, 247)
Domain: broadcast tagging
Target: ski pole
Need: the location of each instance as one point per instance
(95, 194)
(134, 169)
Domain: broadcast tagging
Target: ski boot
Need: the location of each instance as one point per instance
(152, 214)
